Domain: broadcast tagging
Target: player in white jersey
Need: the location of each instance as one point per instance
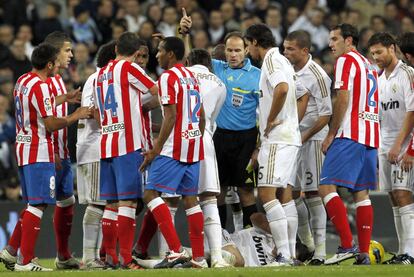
(280, 138)
(313, 128)
(63, 214)
(88, 171)
(406, 45)
(397, 121)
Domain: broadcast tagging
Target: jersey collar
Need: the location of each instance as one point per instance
(301, 71)
(201, 67)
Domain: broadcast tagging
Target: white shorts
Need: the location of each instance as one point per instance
(392, 177)
(232, 197)
(88, 183)
(277, 165)
(209, 177)
(310, 160)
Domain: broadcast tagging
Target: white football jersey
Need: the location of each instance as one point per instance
(396, 99)
(277, 69)
(318, 83)
(255, 245)
(213, 92)
(89, 132)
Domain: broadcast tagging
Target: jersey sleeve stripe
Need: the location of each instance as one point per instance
(321, 81)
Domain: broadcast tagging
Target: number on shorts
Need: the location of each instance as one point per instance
(398, 176)
(309, 178)
(260, 174)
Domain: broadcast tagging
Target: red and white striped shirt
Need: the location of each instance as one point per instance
(354, 73)
(33, 102)
(117, 92)
(60, 137)
(179, 86)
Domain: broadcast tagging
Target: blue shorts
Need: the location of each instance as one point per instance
(171, 176)
(120, 177)
(38, 183)
(64, 180)
(350, 164)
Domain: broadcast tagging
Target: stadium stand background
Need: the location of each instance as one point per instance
(25, 23)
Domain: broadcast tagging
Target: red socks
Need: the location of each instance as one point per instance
(14, 241)
(196, 231)
(364, 221)
(148, 229)
(29, 233)
(163, 217)
(126, 232)
(339, 217)
(62, 222)
(110, 234)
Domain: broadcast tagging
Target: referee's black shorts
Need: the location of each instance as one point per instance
(234, 150)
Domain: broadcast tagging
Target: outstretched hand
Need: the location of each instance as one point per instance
(185, 22)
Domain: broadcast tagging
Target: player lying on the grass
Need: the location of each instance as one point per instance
(35, 123)
(251, 247)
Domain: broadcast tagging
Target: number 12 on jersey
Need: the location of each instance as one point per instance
(110, 101)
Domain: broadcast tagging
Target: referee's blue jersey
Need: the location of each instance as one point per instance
(242, 98)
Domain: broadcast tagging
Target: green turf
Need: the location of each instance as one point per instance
(345, 270)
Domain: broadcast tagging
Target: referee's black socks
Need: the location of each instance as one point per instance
(247, 212)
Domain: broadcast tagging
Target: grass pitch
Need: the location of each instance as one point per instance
(345, 270)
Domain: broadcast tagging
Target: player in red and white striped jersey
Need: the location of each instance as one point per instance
(351, 143)
(179, 148)
(65, 200)
(35, 122)
(118, 90)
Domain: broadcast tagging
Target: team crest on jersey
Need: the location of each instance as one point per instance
(48, 104)
(191, 134)
(394, 88)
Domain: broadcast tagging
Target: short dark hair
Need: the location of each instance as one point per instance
(106, 53)
(128, 43)
(347, 30)
(406, 43)
(43, 54)
(302, 38)
(200, 56)
(383, 38)
(57, 39)
(121, 22)
(234, 34)
(175, 45)
(262, 34)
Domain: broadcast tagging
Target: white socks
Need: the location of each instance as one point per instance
(398, 229)
(212, 228)
(92, 233)
(318, 225)
(292, 223)
(162, 243)
(278, 225)
(238, 220)
(407, 220)
(304, 231)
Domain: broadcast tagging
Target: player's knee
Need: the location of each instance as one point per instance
(403, 197)
(150, 195)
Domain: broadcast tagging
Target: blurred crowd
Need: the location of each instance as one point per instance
(91, 23)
